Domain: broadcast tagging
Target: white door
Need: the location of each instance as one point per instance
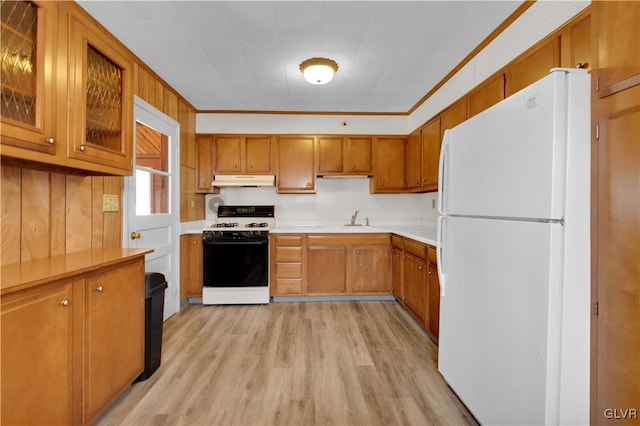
(151, 218)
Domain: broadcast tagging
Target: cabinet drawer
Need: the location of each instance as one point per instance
(287, 286)
(289, 240)
(288, 270)
(347, 239)
(431, 254)
(288, 254)
(416, 248)
(396, 241)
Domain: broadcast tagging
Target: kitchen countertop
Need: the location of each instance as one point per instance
(424, 234)
(19, 276)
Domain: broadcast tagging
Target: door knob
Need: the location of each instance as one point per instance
(135, 235)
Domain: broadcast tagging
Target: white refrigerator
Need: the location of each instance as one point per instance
(514, 256)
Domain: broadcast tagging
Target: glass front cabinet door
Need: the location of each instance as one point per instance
(100, 75)
(26, 105)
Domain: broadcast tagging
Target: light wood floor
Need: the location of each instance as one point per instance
(330, 363)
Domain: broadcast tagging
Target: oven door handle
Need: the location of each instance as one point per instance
(233, 243)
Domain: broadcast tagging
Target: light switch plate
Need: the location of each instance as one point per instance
(110, 203)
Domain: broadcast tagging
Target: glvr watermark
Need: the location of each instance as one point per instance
(621, 413)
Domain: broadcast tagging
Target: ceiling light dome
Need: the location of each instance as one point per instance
(318, 70)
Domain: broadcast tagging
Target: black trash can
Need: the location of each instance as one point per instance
(155, 285)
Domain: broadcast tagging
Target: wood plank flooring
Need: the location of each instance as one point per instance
(329, 363)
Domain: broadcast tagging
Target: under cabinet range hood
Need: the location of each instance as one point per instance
(243, 180)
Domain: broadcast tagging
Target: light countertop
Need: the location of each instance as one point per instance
(425, 234)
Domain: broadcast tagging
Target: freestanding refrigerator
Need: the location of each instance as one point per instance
(514, 256)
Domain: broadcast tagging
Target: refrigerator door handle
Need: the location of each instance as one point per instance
(442, 172)
(439, 257)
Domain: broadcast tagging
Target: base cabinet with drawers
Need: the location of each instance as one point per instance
(73, 342)
(330, 264)
(287, 254)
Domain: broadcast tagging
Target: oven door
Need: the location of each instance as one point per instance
(235, 263)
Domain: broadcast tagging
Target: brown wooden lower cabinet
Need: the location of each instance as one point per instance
(330, 264)
(114, 335)
(326, 269)
(414, 269)
(37, 333)
(415, 283)
(73, 343)
(191, 265)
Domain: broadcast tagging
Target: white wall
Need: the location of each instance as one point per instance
(335, 201)
(301, 123)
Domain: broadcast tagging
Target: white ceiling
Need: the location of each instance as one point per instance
(244, 55)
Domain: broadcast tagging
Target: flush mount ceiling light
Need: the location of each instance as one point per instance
(318, 70)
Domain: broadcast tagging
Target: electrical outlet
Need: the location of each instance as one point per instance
(110, 203)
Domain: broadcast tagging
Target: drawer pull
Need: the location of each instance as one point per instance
(65, 302)
(99, 289)
(50, 140)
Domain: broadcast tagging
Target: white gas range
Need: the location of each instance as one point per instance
(236, 256)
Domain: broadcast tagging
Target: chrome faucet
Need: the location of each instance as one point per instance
(353, 218)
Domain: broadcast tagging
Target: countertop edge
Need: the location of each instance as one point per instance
(20, 276)
(424, 234)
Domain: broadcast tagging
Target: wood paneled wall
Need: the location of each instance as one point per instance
(46, 213)
(148, 87)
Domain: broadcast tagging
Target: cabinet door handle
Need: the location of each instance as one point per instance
(250, 166)
(195, 242)
(135, 235)
(420, 267)
(337, 166)
(50, 140)
(340, 252)
(81, 148)
(381, 183)
(308, 184)
(99, 289)
(353, 166)
(235, 166)
(65, 302)
(357, 251)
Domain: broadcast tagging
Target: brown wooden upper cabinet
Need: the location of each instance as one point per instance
(204, 163)
(390, 153)
(453, 116)
(339, 155)
(489, 93)
(575, 46)
(28, 89)
(237, 154)
(414, 160)
(617, 44)
(532, 66)
(68, 100)
(100, 89)
(296, 164)
(431, 140)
